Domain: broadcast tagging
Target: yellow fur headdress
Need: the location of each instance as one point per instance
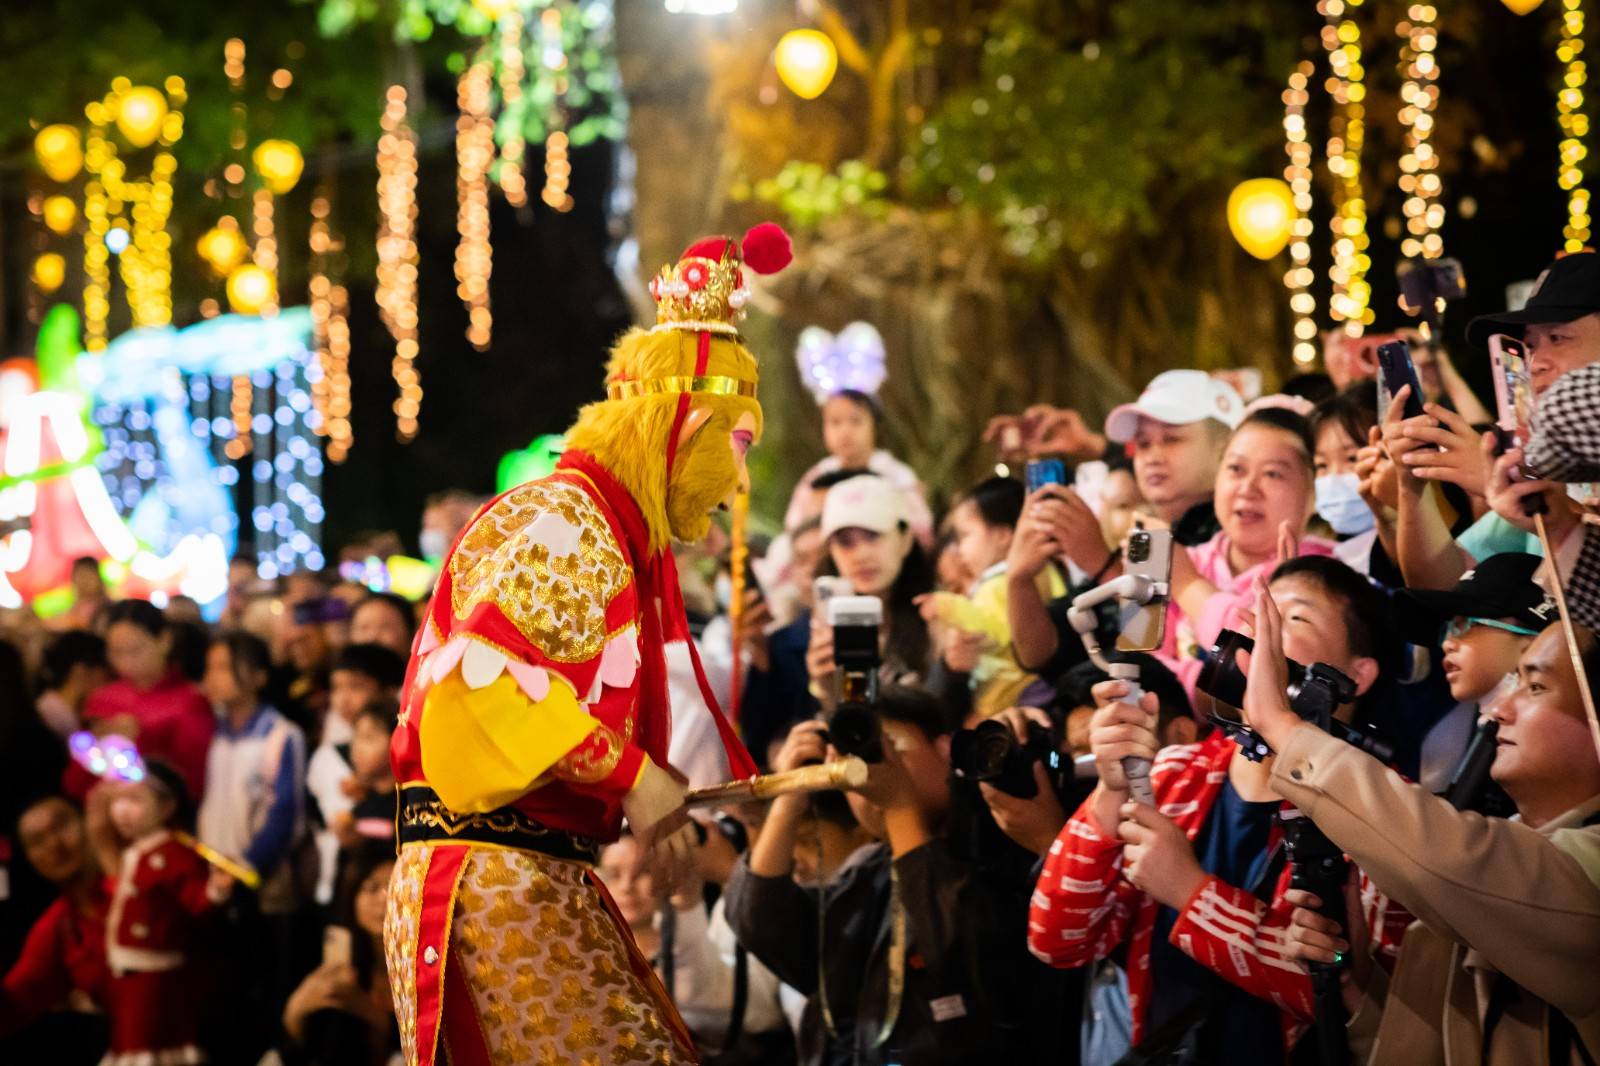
(692, 356)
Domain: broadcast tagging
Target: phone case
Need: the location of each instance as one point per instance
(1395, 371)
(1513, 390)
(1144, 626)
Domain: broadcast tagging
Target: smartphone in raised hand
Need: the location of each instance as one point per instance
(1144, 626)
(1513, 390)
(1395, 371)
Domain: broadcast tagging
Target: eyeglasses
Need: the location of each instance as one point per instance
(1457, 627)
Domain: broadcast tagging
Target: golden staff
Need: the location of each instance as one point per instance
(237, 870)
(1568, 631)
(849, 772)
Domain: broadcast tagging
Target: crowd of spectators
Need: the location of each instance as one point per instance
(942, 912)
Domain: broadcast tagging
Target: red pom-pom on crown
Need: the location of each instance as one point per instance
(767, 248)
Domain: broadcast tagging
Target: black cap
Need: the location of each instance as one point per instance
(1501, 586)
(1568, 289)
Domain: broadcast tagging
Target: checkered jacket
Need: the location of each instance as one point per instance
(1083, 907)
(1565, 446)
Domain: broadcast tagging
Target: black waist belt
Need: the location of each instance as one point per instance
(423, 819)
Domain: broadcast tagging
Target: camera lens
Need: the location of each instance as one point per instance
(1138, 546)
(992, 744)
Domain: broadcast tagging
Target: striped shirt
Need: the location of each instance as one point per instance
(1083, 907)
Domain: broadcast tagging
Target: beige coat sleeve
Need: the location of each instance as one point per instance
(1506, 890)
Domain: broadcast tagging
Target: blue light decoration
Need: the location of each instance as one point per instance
(161, 399)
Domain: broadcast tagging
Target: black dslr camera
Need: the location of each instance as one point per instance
(853, 725)
(990, 752)
(1314, 691)
(1427, 285)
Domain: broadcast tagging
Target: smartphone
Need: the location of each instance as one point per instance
(336, 946)
(1395, 371)
(1144, 626)
(1513, 390)
(1042, 472)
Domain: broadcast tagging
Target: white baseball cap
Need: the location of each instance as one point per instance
(863, 502)
(1178, 398)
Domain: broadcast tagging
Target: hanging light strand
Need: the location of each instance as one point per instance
(340, 436)
(513, 182)
(1574, 125)
(242, 402)
(474, 153)
(557, 167)
(319, 290)
(397, 255)
(1419, 164)
(1298, 278)
(1341, 37)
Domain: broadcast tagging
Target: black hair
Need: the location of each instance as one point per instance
(1282, 418)
(1355, 410)
(382, 711)
(356, 865)
(832, 807)
(1074, 689)
(246, 653)
(1367, 615)
(915, 707)
(835, 477)
(142, 613)
(866, 401)
(1314, 386)
(379, 663)
(189, 644)
(998, 501)
(162, 777)
(1589, 652)
(76, 647)
(399, 604)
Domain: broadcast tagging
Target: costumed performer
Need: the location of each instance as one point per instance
(535, 714)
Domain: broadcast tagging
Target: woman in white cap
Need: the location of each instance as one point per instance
(872, 547)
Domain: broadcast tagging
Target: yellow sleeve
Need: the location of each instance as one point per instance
(483, 748)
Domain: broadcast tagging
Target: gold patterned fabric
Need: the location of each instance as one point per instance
(543, 554)
(548, 970)
(402, 921)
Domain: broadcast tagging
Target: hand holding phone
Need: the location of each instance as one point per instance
(1396, 370)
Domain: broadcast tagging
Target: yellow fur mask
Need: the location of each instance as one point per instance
(629, 437)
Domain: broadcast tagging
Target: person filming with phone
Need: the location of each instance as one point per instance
(1196, 885)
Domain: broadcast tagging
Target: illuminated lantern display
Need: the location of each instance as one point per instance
(223, 247)
(59, 214)
(60, 152)
(1261, 215)
(141, 111)
(49, 271)
(279, 163)
(250, 289)
(806, 61)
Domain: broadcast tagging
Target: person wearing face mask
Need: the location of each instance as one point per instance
(445, 515)
(1340, 427)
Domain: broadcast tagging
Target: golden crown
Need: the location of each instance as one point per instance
(700, 294)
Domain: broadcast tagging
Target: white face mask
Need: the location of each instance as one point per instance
(722, 589)
(1340, 504)
(434, 544)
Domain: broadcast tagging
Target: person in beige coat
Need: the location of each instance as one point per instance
(1502, 967)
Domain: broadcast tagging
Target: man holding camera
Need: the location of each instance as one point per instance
(1196, 885)
(912, 953)
(1500, 968)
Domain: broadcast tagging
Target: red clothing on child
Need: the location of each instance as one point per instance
(175, 725)
(156, 903)
(65, 952)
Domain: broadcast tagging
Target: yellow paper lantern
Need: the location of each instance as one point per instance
(279, 163)
(1260, 214)
(140, 112)
(223, 247)
(1521, 7)
(250, 289)
(493, 9)
(806, 60)
(60, 152)
(59, 214)
(49, 271)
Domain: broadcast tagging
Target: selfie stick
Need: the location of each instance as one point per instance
(1132, 588)
(1568, 631)
(848, 772)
